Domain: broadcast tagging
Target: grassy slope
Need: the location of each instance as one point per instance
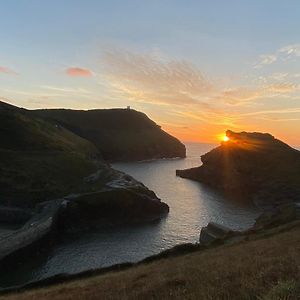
(266, 267)
(38, 159)
(118, 133)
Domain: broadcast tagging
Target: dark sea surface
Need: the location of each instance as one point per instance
(192, 206)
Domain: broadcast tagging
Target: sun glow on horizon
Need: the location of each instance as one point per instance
(225, 138)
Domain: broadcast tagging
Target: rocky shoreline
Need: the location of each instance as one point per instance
(121, 200)
(277, 216)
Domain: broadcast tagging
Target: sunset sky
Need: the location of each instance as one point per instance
(195, 67)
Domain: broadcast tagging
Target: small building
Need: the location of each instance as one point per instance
(128, 107)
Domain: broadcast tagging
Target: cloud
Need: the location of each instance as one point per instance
(178, 90)
(78, 72)
(4, 99)
(7, 71)
(147, 78)
(290, 51)
(239, 95)
(244, 95)
(266, 59)
(281, 88)
(151, 79)
(66, 89)
(283, 54)
(279, 76)
(294, 110)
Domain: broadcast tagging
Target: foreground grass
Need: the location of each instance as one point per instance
(265, 267)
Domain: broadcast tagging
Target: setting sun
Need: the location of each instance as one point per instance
(225, 138)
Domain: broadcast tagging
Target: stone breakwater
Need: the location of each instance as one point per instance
(120, 199)
(32, 231)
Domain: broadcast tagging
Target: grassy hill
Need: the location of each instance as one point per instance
(40, 160)
(119, 134)
(266, 267)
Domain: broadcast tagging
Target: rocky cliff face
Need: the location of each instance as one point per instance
(254, 166)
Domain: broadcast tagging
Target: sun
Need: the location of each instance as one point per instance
(222, 137)
(225, 138)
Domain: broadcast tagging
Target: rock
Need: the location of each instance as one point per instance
(113, 206)
(277, 216)
(214, 232)
(253, 167)
(273, 217)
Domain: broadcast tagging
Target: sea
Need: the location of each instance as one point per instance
(192, 206)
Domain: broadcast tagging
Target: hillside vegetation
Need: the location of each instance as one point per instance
(119, 134)
(43, 159)
(40, 160)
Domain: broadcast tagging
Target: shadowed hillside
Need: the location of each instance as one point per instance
(251, 165)
(41, 160)
(119, 134)
(63, 182)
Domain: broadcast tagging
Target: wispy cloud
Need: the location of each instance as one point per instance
(290, 51)
(274, 111)
(283, 54)
(180, 91)
(146, 78)
(78, 72)
(266, 59)
(244, 95)
(39, 94)
(4, 99)
(66, 89)
(149, 79)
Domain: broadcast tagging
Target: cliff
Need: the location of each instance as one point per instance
(119, 134)
(41, 160)
(251, 166)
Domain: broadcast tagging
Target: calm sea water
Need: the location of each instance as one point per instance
(192, 206)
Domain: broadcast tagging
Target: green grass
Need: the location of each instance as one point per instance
(30, 177)
(40, 160)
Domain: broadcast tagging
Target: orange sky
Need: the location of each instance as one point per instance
(196, 69)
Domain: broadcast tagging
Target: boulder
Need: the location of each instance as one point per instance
(214, 232)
